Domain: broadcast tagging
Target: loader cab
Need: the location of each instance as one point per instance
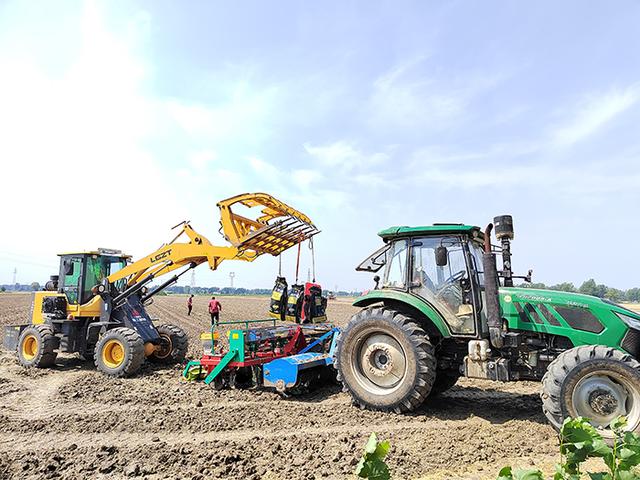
(80, 272)
(441, 264)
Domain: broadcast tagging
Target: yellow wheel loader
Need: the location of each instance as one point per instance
(95, 306)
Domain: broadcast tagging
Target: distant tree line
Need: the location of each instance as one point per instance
(177, 289)
(590, 287)
(185, 290)
(20, 287)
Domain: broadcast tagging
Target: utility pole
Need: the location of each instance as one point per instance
(231, 276)
(193, 280)
(15, 276)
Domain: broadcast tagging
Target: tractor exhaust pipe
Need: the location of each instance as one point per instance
(491, 284)
(504, 233)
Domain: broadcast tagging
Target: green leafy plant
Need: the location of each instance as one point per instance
(579, 440)
(508, 474)
(372, 465)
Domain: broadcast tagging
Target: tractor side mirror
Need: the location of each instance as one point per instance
(442, 256)
(68, 267)
(376, 279)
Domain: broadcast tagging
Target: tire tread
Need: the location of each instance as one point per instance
(564, 363)
(424, 350)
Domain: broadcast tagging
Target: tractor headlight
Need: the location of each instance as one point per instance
(630, 321)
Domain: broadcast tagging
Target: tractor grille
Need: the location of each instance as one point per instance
(532, 312)
(521, 313)
(549, 316)
(580, 319)
(631, 342)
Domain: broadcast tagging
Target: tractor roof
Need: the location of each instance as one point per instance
(435, 229)
(105, 252)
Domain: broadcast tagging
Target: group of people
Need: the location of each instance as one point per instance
(215, 307)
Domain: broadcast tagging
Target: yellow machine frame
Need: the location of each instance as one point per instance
(277, 228)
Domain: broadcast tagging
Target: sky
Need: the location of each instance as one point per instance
(120, 119)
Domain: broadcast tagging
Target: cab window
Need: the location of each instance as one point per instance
(72, 270)
(98, 268)
(441, 285)
(396, 270)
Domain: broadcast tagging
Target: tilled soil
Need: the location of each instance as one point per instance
(72, 422)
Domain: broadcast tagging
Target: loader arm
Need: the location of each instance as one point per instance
(277, 228)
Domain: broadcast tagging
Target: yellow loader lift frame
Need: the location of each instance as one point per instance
(278, 228)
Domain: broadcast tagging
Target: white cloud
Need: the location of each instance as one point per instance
(344, 155)
(201, 159)
(243, 115)
(593, 113)
(264, 170)
(305, 178)
(196, 119)
(547, 178)
(404, 97)
(73, 147)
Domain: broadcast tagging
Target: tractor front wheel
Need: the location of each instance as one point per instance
(173, 346)
(119, 352)
(385, 360)
(596, 382)
(36, 346)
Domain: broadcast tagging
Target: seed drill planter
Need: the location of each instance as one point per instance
(284, 357)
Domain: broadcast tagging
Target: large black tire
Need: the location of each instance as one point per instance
(119, 352)
(385, 360)
(36, 346)
(594, 382)
(445, 379)
(174, 345)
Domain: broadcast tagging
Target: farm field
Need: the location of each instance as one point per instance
(72, 422)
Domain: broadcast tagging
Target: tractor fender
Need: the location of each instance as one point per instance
(422, 311)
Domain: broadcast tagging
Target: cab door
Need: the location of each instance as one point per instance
(71, 277)
(439, 273)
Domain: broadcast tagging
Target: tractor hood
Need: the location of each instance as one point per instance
(570, 299)
(582, 318)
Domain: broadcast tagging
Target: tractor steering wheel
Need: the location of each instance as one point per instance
(449, 282)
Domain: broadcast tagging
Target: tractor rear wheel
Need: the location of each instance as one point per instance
(173, 348)
(385, 360)
(36, 346)
(119, 352)
(596, 382)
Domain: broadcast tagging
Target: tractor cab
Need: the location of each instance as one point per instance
(81, 272)
(440, 264)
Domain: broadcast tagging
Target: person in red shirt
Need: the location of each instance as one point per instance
(214, 309)
(189, 304)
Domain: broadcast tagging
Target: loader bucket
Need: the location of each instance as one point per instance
(277, 228)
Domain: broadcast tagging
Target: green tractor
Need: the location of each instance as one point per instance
(443, 310)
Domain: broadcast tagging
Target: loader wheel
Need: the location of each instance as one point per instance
(596, 382)
(36, 346)
(385, 360)
(173, 348)
(119, 352)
